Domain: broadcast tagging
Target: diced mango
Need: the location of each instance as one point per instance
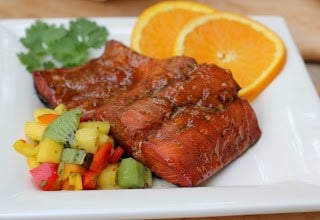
(66, 186)
(108, 177)
(75, 180)
(25, 148)
(49, 151)
(34, 130)
(32, 162)
(102, 126)
(87, 138)
(103, 138)
(61, 108)
(71, 168)
(41, 111)
(33, 142)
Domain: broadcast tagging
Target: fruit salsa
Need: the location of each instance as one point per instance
(64, 152)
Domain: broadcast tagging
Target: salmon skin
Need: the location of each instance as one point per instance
(183, 120)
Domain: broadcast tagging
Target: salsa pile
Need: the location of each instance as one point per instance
(64, 152)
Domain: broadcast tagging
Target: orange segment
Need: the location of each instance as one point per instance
(157, 27)
(253, 53)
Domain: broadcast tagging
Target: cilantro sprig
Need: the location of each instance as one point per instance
(49, 46)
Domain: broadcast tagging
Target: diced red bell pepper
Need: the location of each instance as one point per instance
(45, 176)
(100, 157)
(56, 186)
(89, 180)
(116, 155)
(83, 119)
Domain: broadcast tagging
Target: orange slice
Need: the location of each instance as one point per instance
(253, 53)
(157, 27)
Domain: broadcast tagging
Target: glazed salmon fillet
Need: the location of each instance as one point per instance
(181, 119)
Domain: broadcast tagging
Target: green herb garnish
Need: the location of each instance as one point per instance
(43, 183)
(51, 46)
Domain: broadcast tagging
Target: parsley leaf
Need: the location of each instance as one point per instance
(88, 33)
(51, 46)
(30, 60)
(69, 52)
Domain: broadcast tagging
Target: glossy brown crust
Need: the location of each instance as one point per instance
(182, 120)
(91, 84)
(196, 144)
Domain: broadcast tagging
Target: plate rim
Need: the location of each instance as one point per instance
(279, 194)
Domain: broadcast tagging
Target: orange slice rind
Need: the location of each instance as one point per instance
(253, 53)
(156, 28)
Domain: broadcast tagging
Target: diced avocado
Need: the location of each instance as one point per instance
(63, 129)
(72, 155)
(132, 174)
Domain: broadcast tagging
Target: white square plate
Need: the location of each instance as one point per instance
(281, 173)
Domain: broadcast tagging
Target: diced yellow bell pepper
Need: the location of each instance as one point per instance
(32, 162)
(49, 151)
(108, 177)
(75, 180)
(34, 130)
(25, 148)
